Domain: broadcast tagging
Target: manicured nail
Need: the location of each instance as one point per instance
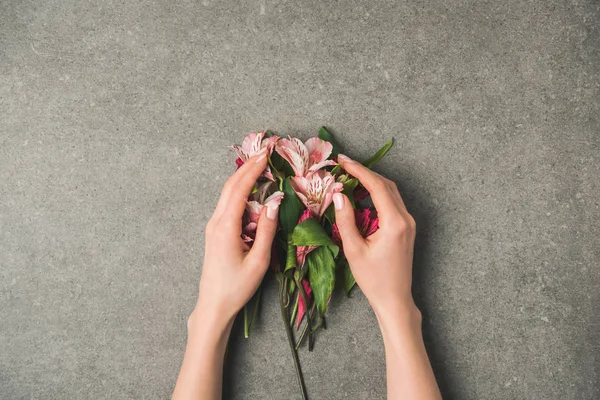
(345, 158)
(272, 211)
(338, 201)
(263, 154)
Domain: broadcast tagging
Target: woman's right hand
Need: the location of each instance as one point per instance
(381, 263)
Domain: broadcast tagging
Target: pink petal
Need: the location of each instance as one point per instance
(274, 199)
(270, 143)
(253, 208)
(322, 164)
(360, 193)
(242, 156)
(304, 216)
(318, 150)
(335, 235)
(247, 239)
(333, 187)
(252, 143)
(301, 253)
(268, 174)
(238, 161)
(294, 152)
(300, 187)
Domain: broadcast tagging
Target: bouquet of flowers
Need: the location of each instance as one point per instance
(307, 256)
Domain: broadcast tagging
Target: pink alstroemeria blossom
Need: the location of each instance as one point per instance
(301, 306)
(305, 157)
(252, 145)
(253, 210)
(302, 251)
(316, 190)
(367, 223)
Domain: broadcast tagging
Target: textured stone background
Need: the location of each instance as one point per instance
(115, 122)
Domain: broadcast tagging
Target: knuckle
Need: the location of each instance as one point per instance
(380, 185)
(412, 224)
(404, 226)
(228, 225)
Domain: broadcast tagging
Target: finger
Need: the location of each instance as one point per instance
(346, 224)
(381, 192)
(260, 253)
(238, 186)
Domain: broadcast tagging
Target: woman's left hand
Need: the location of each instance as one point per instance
(233, 271)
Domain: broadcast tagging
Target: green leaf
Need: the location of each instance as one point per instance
(348, 190)
(310, 233)
(325, 135)
(329, 214)
(371, 161)
(290, 209)
(349, 280)
(277, 161)
(335, 170)
(321, 275)
(290, 258)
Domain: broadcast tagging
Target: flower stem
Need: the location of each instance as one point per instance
(255, 309)
(288, 331)
(246, 328)
(294, 311)
(306, 326)
(308, 317)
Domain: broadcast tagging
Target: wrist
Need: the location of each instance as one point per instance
(207, 324)
(400, 313)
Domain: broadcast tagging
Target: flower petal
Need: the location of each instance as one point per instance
(274, 199)
(252, 143)
(318, 150)
(294, 152)
(322, 164)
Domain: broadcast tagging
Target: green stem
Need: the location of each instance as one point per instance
(294, 311)
(288, 331)
(308, 317)
(246, 328)
(255, 309)
(306, 326)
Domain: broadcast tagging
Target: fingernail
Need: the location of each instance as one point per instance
(263, 154)
(344, 158)
(338, 201)
(272, 212)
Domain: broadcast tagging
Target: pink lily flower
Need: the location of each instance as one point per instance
(367, 223)
(316, 190)
(253, 210)
(252, 145)
(305, 157)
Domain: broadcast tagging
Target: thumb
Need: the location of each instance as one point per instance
(260, 253)
(344, 219)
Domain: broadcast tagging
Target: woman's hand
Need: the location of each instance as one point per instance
(382, 267)
(231, 274)
(232, 270)
(381, 263)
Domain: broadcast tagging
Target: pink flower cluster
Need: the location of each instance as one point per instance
(311, 182)
(313, 185)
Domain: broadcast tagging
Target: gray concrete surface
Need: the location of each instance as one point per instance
(115, 122)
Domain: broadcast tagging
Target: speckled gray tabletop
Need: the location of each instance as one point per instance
(115, 121)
